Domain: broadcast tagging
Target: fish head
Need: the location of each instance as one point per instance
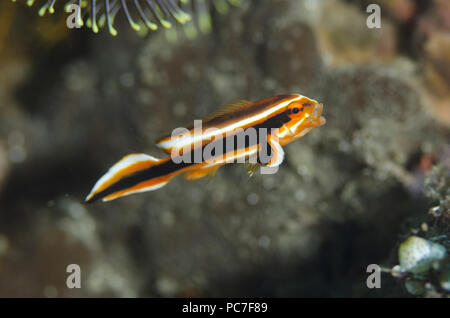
(304, 114)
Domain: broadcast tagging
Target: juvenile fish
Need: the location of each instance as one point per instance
(267, 124)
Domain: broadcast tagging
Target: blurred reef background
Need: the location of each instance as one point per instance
(369, 187)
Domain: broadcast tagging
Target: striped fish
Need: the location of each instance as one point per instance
(282, 118)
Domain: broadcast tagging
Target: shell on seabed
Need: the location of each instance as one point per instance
(416, 255)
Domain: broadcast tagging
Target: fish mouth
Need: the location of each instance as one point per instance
(317, 117)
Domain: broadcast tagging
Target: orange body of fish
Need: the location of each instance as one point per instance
(238, 132)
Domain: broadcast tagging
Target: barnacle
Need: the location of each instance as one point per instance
(141, 14)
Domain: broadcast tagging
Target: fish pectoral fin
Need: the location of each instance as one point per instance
(212, 174)
(252, 168)
(277, 153)
(200, 173)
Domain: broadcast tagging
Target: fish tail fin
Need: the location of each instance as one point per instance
(132, 174)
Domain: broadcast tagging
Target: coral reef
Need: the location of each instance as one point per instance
(425, 262)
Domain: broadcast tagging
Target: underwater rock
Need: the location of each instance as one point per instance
(432, 36)
(437, 75)
(415, 287)
(309, 230)
(437, 185)
(416, 255)
(380, 120)
(344, 38)
(292, 58)
(402, 10)
(435, 19)
(445, 280)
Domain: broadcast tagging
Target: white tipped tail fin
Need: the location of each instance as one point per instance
(131, 174)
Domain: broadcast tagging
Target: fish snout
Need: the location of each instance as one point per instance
(317, 111)
(317, 115)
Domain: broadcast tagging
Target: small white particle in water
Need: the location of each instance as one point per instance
(303, 170)
(300, 195)
(127, 79)
(235, 221)
(50, 291)
(252, 198)
(264, 241)
(75, 210)
(17, 154)
(344, 146)
(268, 183)
(167, 286)
(16, 138)
(311, 5)
(269, 84)
(167, 218)
(179, 109)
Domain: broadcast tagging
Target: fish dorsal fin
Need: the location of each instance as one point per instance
(228, 108)
(167, 142)
(234, 105)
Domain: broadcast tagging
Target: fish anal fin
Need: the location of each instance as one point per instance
(200, 173)
(141, 187)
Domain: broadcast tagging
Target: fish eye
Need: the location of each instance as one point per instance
(295, 110)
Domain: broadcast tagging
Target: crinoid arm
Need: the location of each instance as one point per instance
(141, 15)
